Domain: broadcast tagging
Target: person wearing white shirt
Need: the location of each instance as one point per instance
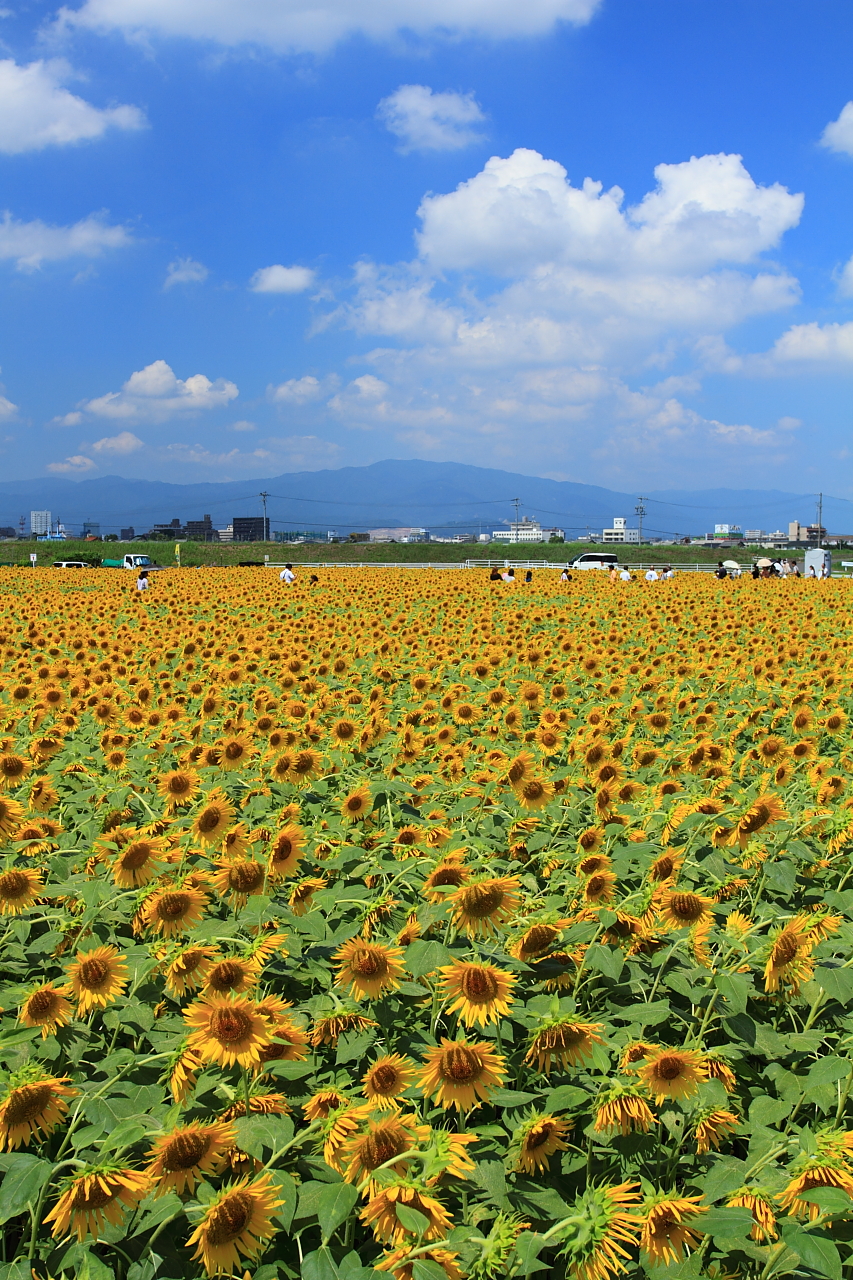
(666, 573)
(651, 575)
(287, 576)
(142, 583)
(625, 575)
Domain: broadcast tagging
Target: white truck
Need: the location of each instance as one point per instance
(131, 561)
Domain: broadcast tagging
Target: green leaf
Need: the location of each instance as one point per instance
(25, 1177)
(319, 1265)
(829, 1199)
(528, 1246)
(565, 1096)
(817, 1252)
(20, 1269)
(412, 1220)
(728, 1224)
(425, 957)
(734, 988)
(782, 875)
(334, 1207)
(725, 1176)
(256, 1134)
(491, 1175)
(426, 1269)
(837, 983)
(769, 1111)
(125, 1134)
(309, 1198)
(88, 1266)
(606, 960)
(511, 1097)
(160, 1210)
(827, 1071)
(353, 1045)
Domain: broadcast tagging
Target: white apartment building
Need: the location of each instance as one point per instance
(39, 522)
(526, 530)
(620, 532)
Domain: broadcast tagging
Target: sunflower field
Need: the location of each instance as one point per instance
(416, 927)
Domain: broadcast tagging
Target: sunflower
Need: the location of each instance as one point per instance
(402, 1262)
(235, 752)
(368, 968)
(665, 867)
(183, 1156)
(448, 873)
(178, 787)
(478, 992)
(97, 978)
(98, 1198)
(459, 1074)
(301, 895)
(188, 970)
(388, 1078)
(623, 1108)
(536, 940)
(306, 766)
(711, 1128)
(673, 1073)
(599, 888)
(330, 1027)
(380, 1213)
(262, 1104)
(564, 1041)
(321, 1105)
(227, 1030)
(356, 805)
(47, 1008)
(287, 848)
(138, 862)
(387, 1137)
(212, 821)
(670, 1227)
(236, 1224)
(763, 812)
(788, 963)
(590, 840)
(686, 910)
(595, 1248)
(231, 974)
(19, 889)
(537, 1140)
(174, 911)
(810, 1173)
(760, 1206)
(34, 1104)
(43, 796)
(238, 879)
(482, 906)
(534, 793)
(13, 769)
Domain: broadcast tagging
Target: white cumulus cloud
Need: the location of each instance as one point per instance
(845, 280)
(428, 121)
(296, 390)
(291, 26)
(77, 464)
(279, 279)
(154, 394)
(30, 244)
(185, 271)
(838, 134)
(124, 442)
(37, 111)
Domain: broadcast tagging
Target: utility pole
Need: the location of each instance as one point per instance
(640, 511)
(820, 519)
(263, 496)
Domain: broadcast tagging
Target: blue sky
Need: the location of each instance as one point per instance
(600, 240)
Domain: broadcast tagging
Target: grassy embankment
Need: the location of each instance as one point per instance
(200, 553)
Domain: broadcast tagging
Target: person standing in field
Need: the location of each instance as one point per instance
(142, 583)
(651, 575)
(287, 576)
(625, 575)
(614, 573)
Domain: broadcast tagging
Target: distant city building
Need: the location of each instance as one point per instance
(6, 531)
(202, 530)
(174, 529)
(39, 522)
(398, 535)
(90, 529)
(250, 529)
(127, 535)
(526, 530)
(226, 534)
(620, 532)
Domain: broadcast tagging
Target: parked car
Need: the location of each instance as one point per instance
(72, 564)
(595, 560)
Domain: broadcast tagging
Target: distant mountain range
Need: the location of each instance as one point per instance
(435, 495)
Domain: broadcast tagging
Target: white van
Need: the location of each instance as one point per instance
(595, 560)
